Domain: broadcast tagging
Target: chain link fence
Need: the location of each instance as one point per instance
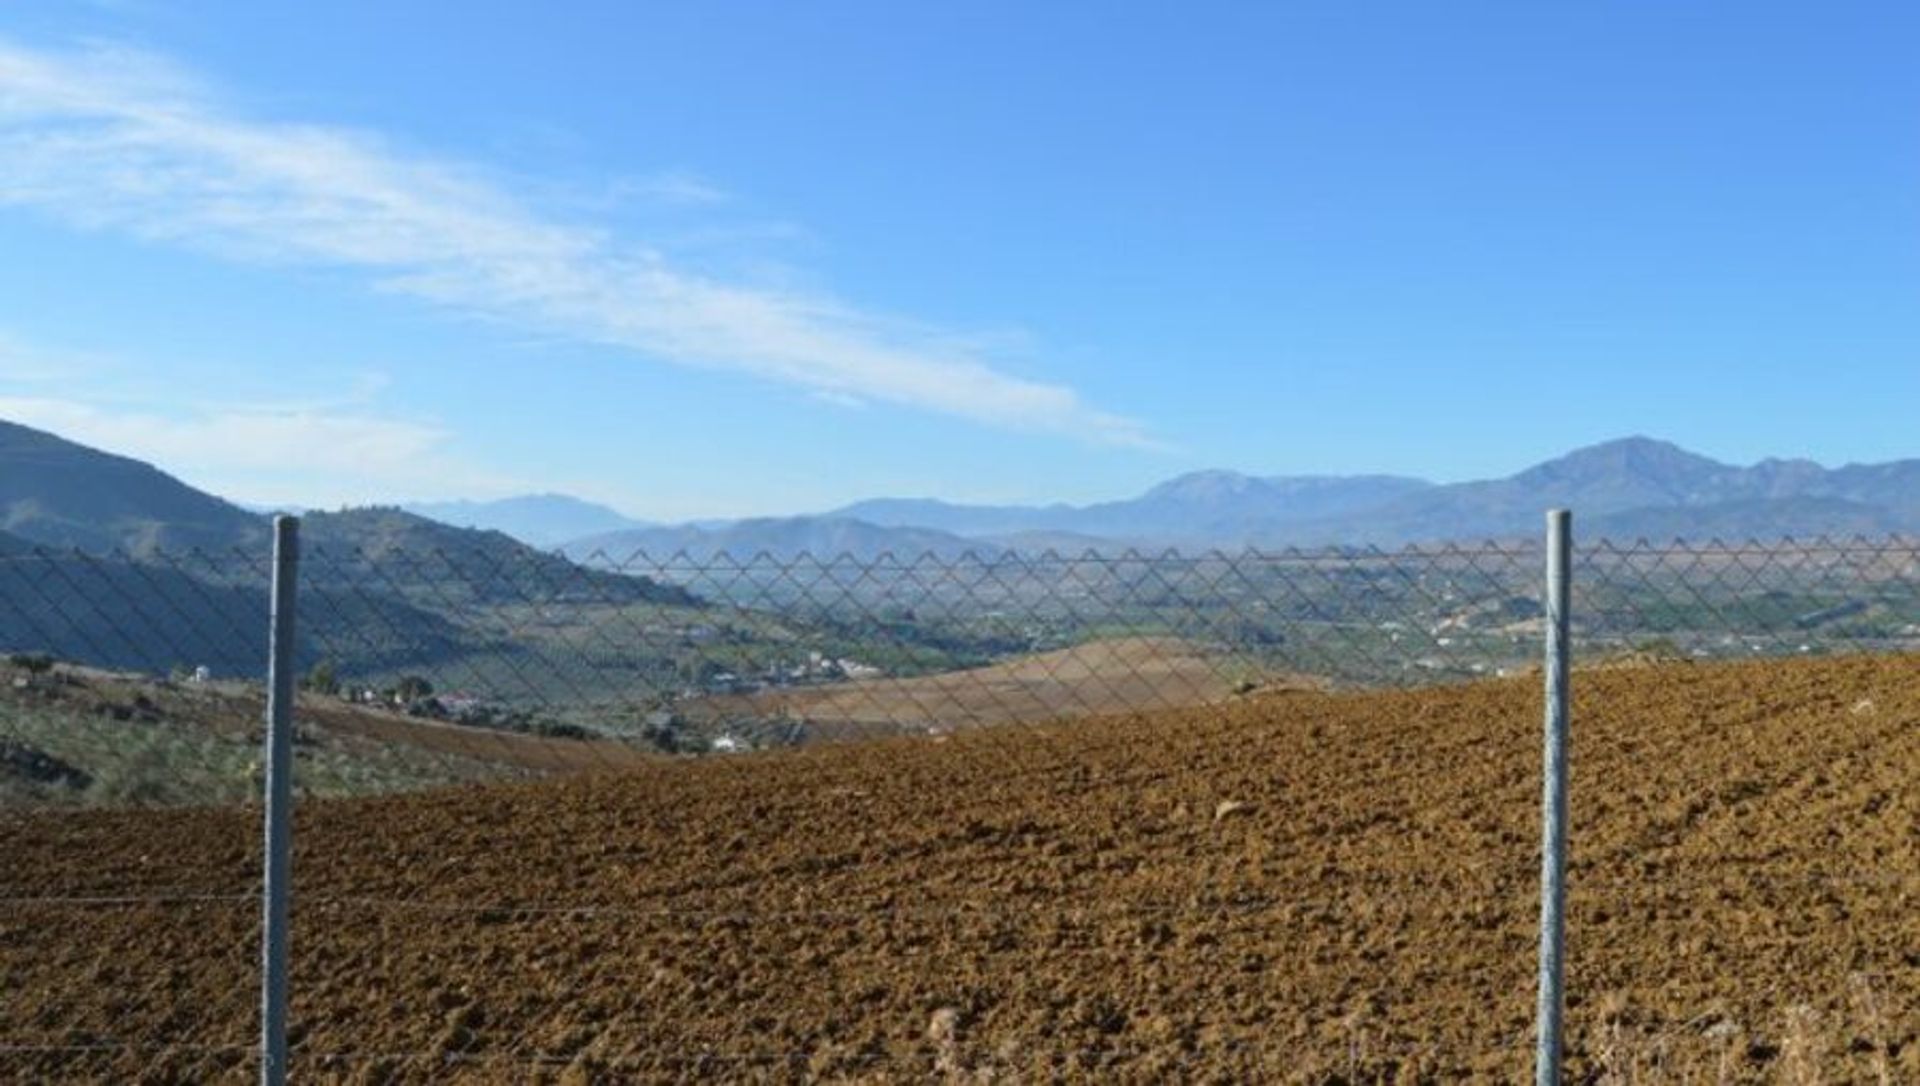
(982, 816)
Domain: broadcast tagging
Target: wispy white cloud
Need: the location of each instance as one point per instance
(839, 399)
(335, 449)
(113, 139)
(228, 435)
(315, 455)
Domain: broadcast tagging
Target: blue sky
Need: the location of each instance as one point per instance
(719, 258)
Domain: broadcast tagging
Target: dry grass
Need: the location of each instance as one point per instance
(1796, 1046)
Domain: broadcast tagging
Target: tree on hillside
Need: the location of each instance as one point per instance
(322, 679)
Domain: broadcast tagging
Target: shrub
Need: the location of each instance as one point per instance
(34, 663)
(322, 679)
(413, 688)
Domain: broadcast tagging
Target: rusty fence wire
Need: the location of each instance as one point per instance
(132, 682)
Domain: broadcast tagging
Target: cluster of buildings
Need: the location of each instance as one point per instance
(817, 668)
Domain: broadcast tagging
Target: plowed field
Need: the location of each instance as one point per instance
(1081, 903)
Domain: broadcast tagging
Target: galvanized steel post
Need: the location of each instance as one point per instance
(279, 804)
(1553, 829)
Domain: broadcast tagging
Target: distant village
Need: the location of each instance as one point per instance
(818, 669)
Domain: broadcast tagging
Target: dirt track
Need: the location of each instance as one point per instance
(1023, 905)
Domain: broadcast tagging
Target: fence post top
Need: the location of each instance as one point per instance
(286, 535)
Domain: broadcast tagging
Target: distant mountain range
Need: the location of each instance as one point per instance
(53, 492)
(1212, 507)
(543, 520)
(1621, 489)
(1632, 488)
(1642, 487)
(1205, 506)
(778, 537)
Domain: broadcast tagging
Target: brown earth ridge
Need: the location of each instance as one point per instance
(1306, 887)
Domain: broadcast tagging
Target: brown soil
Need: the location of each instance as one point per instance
(489, 747)
(1026, 904)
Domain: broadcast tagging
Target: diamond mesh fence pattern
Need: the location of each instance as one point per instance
(134, 682)
(535, 663)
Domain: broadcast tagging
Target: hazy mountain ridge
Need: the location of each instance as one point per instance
(1620, 489)
(1197, 507)
(779, 537)
(540, 520)
(1636, 486)
(57, 493)
(1625, 489)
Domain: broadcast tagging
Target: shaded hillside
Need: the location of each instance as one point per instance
(59, 493)
(116, 613)
(159, 615)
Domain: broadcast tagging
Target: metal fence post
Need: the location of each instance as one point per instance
(279, 804)
(1553, 829)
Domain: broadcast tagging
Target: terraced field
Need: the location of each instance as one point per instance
(1306, 886)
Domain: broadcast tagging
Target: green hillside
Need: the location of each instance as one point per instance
(58, 493)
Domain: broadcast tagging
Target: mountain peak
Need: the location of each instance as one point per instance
(1213, 485)
(1644, 461)
(1635, 448)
